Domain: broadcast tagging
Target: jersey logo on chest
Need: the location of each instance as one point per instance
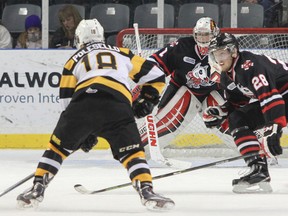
(198, 77)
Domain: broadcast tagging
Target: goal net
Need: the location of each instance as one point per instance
(195, 139)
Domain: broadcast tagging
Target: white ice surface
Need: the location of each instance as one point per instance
(205, 192)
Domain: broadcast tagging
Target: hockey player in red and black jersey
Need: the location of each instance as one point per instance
(96, 99)
(190, 88)
(263, 80)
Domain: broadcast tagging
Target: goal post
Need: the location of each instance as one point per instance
(196, 139)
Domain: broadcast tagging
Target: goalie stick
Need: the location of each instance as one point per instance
(83, 190)
(154, 149)
(150, 126)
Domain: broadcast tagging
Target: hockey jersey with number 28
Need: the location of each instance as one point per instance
(264, 79)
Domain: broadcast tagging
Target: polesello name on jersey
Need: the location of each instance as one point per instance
(95, 46)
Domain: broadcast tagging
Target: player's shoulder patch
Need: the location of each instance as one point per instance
(247, 64)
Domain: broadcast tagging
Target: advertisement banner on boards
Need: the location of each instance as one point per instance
(29, 90)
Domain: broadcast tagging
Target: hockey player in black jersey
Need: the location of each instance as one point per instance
(186, 62)
(263, 80)
(96, 99)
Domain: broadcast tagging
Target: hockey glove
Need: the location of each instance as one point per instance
(271, 139)
(89, 143)
(213, 116)
(142, 107)
(144, 104)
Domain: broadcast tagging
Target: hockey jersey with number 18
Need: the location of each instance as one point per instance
(99, 66)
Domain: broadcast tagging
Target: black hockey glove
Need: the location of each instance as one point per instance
(142, 107)
(144, 104)
(213, 116)
(272, 135)
(89, 143)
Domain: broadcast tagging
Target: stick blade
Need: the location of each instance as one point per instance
(81, 189)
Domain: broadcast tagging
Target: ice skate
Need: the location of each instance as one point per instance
(31, 197)
(257, 180)
(151, 200)
(34, 195)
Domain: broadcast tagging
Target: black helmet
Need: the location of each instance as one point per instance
(224, 41)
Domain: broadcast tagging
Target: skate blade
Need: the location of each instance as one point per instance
(154, 205)
(25, 205)
(262, 187)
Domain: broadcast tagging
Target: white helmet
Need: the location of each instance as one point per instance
(205, 26)
(88, 31)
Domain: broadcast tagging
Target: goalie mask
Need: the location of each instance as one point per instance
(222, 52)
(204, 31)
(87, 31)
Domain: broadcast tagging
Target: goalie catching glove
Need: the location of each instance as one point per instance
(213, 116)
(145, 103)
(271, 140)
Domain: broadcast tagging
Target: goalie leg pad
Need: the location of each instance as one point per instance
(215, 98)
(178, 113)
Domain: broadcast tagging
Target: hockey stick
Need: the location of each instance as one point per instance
(137, 38)
(151, 129)
(17, 184)
(81, 189)
(153, 143)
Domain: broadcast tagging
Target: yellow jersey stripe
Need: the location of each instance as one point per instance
(139, 154)
(69, 64)
(109, 83)
(124, 50)
(144, 177)
(137, 62)
(53, 148)
(68, 81)
(41, 172)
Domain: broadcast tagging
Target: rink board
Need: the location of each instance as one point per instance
(40, 141)
(29, 101)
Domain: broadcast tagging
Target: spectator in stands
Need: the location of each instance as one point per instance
(69, 18)
(5, 38)
(31, 38)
